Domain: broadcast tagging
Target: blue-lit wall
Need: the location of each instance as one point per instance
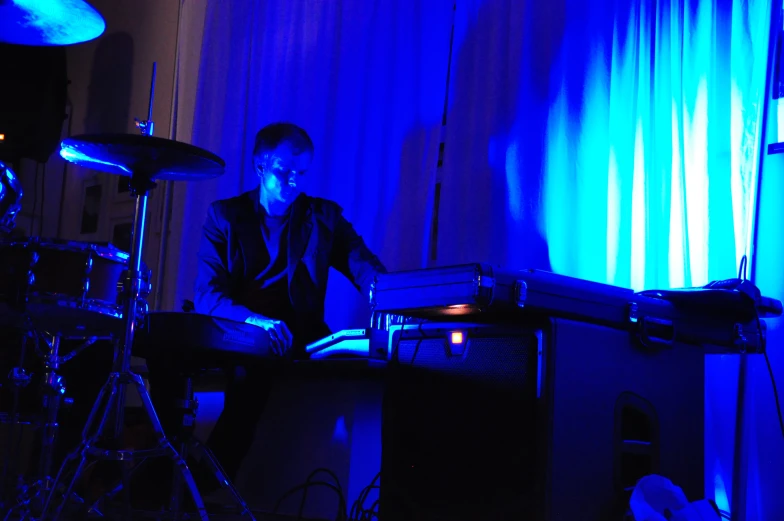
(618, 142)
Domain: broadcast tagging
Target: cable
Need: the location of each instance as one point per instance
(775, 393)
(43, 201)
(419, 343)
(357, 509)
(63, 182)
(396, 346)
(372, 512)
(770, 372)
(35, 200)
(305, 493)
(742, 270)
(341, 507)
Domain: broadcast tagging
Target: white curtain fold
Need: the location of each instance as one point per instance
(615, 142)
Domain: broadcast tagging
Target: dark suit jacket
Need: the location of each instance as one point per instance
(232, 252)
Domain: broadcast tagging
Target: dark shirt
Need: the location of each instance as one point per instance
(268, 293)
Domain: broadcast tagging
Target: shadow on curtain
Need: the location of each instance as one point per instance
(361, 78)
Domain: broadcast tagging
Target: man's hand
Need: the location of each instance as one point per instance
(280, 336)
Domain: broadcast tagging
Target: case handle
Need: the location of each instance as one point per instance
(656, 332)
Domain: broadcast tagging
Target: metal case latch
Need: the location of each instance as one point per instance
(520, 293)
(633, 313)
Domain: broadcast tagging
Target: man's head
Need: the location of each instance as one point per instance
(282, 153)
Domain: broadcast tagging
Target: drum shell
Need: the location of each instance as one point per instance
(68, 282)
(79, 272)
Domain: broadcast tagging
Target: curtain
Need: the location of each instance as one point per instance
(616, 142)
(584, 134)
(612, 141)
(365, 79)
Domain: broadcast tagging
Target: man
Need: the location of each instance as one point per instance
(264, 260)
(265, 255)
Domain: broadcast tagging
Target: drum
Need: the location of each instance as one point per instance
(63, 286)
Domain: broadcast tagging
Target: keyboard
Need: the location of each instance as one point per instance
(200, 340)
(348, 342)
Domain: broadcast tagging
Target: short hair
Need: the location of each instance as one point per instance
(272, 136)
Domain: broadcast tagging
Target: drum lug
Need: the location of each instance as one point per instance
(55, 382)
(142, 286)
(19, 377)
(142, 310)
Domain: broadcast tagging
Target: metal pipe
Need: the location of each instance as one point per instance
(168, 188)
(775, 28)
(64, 181)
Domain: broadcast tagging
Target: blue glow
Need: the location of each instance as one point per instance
(49, 22)
(74, 155)
(629, 144)
(340, 432)
(210, 408)
(638, 135)
(720, 492)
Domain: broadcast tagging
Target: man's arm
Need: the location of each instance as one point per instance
(212, 279)
(352, 258)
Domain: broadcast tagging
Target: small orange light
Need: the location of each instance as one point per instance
(457, 337)
(2, 137)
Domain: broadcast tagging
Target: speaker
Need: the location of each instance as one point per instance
(550, 420)
(458, 415)
(33, 95)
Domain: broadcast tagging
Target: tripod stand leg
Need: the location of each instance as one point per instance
(94, 507)
(169, 449)
(19, 379)
(88, 441)
(176, 497)
(53, 389)
(220, 475)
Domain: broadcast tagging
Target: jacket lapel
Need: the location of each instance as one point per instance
(300, 228)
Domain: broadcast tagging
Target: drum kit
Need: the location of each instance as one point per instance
(54, 290)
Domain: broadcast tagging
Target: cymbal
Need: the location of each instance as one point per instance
(49, 22)
(135, 155)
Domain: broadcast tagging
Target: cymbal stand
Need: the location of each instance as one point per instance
(31, 497)
(53, 389)
(19, 379)
(111, 400)
(189, 444)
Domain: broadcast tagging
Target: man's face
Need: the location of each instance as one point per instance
(280, 173)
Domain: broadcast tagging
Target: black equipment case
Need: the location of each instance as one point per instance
(530, 395)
